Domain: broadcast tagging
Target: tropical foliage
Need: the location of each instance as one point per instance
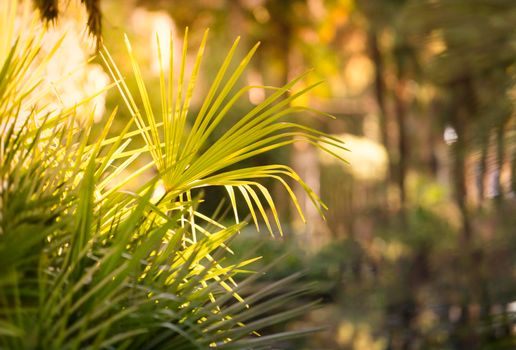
(89, 262)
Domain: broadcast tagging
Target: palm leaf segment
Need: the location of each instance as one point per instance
(185, 160)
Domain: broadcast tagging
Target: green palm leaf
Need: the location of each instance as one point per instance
(187, 162)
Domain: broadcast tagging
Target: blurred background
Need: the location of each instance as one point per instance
(418, 247)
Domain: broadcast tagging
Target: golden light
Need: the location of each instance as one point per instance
(368, 159)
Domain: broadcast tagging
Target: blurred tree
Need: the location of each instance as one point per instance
(398, 59)
(475, 67)
(472, 70)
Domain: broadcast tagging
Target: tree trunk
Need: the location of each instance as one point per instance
(513, 171)
(379, 86)
(482, 171)
(464, 109)
(500, 161)
(401, 117)
(380, 91)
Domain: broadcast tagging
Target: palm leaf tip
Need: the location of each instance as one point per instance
(49, 12)
(48, 9)
(94, 17)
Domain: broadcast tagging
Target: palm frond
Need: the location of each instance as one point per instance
(187, 162)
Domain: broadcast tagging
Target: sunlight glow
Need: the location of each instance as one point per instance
(368, 159)
(449, 135)
(257, 95)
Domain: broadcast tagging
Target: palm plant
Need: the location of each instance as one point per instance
(86, 263)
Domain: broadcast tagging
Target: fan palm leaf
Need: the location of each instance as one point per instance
(187, 162)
